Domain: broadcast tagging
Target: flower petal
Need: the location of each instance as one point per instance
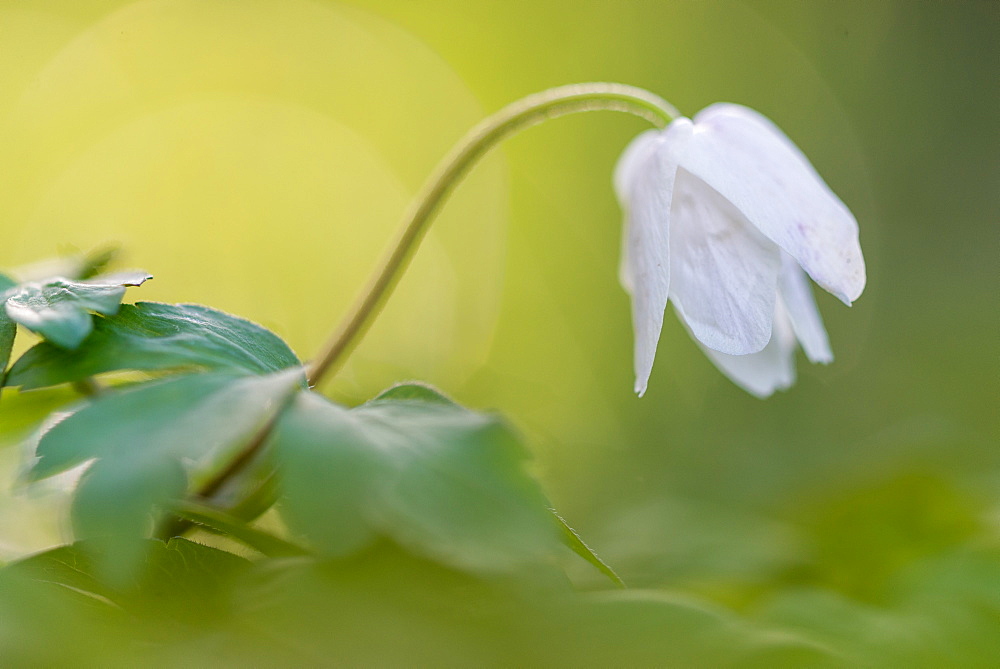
(631, 163)
(747, 159)
(793, 286)
(723, 273)
(773, 368)
(644, 182)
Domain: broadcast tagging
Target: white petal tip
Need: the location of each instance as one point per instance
(847, 295)
(760, 392)
(765, 393)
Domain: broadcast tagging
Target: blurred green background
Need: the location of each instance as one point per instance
(255, 156)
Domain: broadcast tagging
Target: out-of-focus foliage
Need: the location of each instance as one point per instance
(256, 156)
(228, 430)
(382, 607)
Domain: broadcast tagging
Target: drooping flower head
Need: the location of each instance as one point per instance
(724, 218)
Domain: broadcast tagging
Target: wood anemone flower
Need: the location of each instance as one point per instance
(724, 218)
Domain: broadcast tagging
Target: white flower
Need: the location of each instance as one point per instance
(722, 215)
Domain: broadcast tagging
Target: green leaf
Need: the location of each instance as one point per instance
(150, 442)
(151, 336)
(6, 283)
(114, 506)
(223, 523)
(444, 481)
(199, 418)
(578, 546)
(66, 566)
(179, 579)
(53, 610)
(186, 581)
(413, 391)
(59, 309)
(8, 328)
(330, 470)
(21, 414)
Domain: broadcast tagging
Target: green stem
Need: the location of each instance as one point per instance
(518, 116)
(199, 513)
(88, 387)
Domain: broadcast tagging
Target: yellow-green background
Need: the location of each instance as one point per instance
(256, 155)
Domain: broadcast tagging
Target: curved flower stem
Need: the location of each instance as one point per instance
(517, 116)
(513, 118)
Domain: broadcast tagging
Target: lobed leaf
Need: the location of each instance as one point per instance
(197, 418)
(444, 481)
(152, 336)
(149, 444)
(59, 309)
